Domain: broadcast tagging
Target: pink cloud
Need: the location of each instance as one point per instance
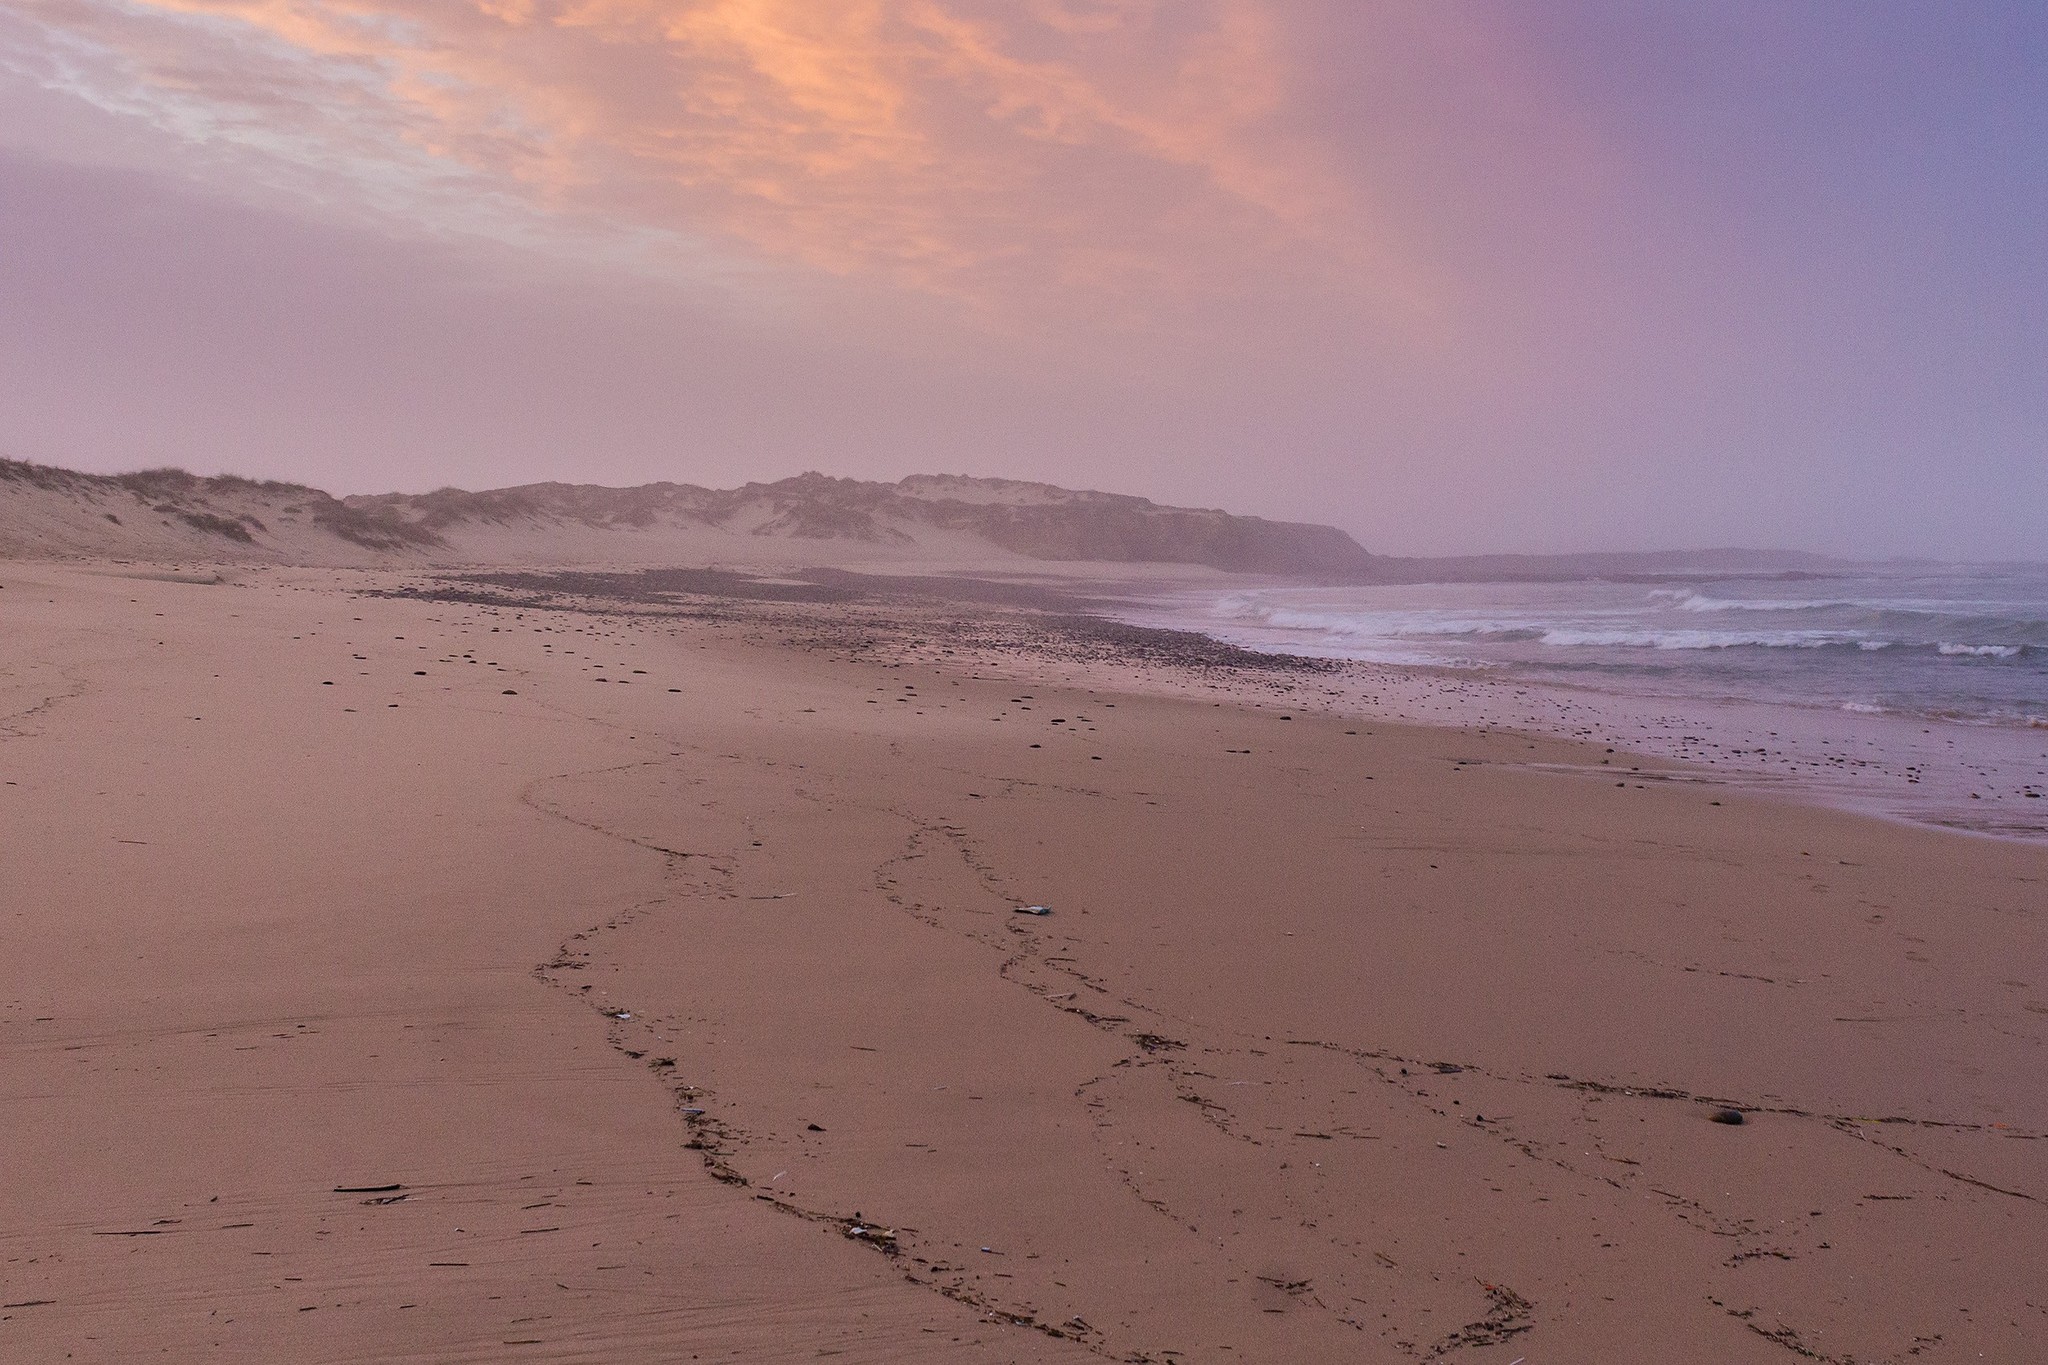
(1114, 157)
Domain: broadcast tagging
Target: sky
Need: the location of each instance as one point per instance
(1491, 275)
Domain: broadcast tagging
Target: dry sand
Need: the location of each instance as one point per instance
(668, 968)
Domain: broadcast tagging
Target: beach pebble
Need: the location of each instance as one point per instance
(1732, 1117)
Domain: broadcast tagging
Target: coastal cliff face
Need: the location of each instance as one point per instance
(168, 513)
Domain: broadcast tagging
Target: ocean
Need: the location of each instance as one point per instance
(1918, 691)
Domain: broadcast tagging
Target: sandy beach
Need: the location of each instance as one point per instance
(391, 978)
(961, 682)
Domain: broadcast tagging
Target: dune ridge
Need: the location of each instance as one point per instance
(811, 518)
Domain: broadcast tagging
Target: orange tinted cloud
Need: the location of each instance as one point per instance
(1117, 155)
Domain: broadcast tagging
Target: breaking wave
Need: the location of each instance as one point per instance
(1987, 630)
(1947, 642)
(1700, 639)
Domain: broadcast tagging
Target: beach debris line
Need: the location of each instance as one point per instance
(1034, 909)
(883, 1239)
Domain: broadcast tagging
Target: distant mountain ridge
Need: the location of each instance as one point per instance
(168, 513)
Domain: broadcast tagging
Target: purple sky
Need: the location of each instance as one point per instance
(1514, 275)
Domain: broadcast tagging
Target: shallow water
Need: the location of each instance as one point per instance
(1919, 691)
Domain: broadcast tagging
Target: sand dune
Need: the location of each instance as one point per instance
(925, 520)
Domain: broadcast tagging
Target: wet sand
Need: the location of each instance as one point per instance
(1951, 771)
(665, 959)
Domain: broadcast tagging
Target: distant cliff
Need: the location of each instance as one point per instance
(169, 514)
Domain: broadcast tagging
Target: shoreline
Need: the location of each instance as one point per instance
(1342, 1040)
(1923, 771)
(1775, 751)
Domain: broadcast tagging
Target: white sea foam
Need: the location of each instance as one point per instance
(1699, 601)
(1368, 626)
(1698, 639)
(1965, 645)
